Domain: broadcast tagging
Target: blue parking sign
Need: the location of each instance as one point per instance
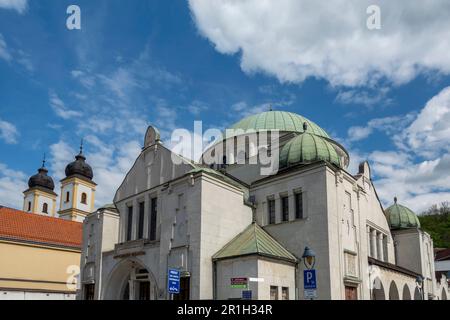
(309, 279)
(173, 281)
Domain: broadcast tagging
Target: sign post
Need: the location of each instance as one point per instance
(310, 284)
(173, 281)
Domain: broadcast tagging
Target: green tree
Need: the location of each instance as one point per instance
(436, 221)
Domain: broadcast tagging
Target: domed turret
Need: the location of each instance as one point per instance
(41, 179)
(80, 166)
(77, 190)
(307, 148)
(40, 198)
(401, 217)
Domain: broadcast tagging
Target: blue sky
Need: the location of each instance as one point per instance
(168, 63)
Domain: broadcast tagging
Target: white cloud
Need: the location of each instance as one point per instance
(359, 133)
(418, 171)
(364, 97)
(389, 125)
(12, 184)
(19, 5)
(86, 79)
(197, 107)
(9, 54)
(297, 39)
(429, 134)
(60, 108)
(110, 162)
(5, 54)
(8, 132)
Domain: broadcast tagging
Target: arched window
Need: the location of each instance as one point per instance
(67, 196)
(45, 208)
(84, 198)
(29, 205)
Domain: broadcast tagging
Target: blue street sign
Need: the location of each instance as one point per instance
(173, 283)
(247, 294)
(309, 279)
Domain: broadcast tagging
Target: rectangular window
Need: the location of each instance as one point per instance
(299, 205)
(273, 293)
(285, 293)
(153, 216)
(141, 220)
(271, 208)
(285, 208)
(129, 223)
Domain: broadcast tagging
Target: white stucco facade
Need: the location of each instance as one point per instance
(180, 215)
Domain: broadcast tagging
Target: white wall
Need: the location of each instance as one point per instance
(28, 198)
(67, 188)
(81, 206)
(24, 295)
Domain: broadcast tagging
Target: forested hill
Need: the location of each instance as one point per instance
(436, 221)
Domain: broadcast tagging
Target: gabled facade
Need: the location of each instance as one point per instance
(207, 220)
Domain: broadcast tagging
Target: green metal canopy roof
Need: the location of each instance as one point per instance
(254, 240)
(401, 217)
(307, 148)
(278, 120)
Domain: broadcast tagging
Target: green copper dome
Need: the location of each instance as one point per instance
(278, 120)
(308, 148)
(400, 217)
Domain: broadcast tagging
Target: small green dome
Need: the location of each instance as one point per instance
(279, 120)
(308, 148)
(401, 217)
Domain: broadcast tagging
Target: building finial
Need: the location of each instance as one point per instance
(395, 199)
(270, 107)
(43, 161)
(81, 146)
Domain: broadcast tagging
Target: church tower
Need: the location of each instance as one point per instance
(77, 190)
(40, 198)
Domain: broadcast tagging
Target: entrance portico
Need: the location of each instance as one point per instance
(131, 280)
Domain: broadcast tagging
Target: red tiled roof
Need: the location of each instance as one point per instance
(19, 225)
(443, 255)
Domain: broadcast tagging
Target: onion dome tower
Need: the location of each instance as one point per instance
(77, 189)
(40, 198)
(401, 217)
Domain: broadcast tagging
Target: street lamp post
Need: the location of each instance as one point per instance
(309, 258)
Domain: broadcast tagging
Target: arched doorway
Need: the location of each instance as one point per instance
(378, 290)
(130, 280)
(417, 294)
(444, 294)
(393, 291)
(406, 293)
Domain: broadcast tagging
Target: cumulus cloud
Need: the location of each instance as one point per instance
(19, 5)
(418, 171)
(429, 133)
(12, 183)
(297, 39)
(8, 132)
